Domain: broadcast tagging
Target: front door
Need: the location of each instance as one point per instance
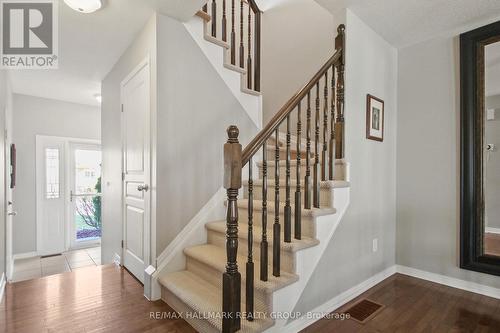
(85, 195)
(50, 188)
(135, 97)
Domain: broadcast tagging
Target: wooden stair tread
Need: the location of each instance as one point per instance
(215, 257)
(313, 212)
(283, 149)
(294, 246)
(202, 297)
(293, 162)
(235, 68)
(204, 16)
(331, 184)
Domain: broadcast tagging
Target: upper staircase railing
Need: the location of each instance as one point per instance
(326, 132)
(244, 31)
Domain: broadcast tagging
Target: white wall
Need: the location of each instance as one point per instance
(39, 116)
(143, 46)
(371, 67)
(297, 39)
(428, 158)
(196, 109)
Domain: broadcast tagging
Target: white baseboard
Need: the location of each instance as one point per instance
(450, 281)
(347, 296)
(338, 301)
(10, 270)
(3, 282)
(172, 258)
(117, 260)
(492, 230)
(24, 255)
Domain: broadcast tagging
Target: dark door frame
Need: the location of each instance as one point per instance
(472, 102)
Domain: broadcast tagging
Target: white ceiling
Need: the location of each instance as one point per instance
(407, 22)
(90, 44)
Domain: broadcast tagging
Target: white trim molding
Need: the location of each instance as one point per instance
(490, 230)
(117, 259)
(25, 255)
(3, 282)
(338, 301)
(450, 281)
(347, 296)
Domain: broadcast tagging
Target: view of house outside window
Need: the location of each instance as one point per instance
(88, 190)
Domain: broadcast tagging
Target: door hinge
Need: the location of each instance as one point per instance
(122, 107)
(122, 243)
(123, 175)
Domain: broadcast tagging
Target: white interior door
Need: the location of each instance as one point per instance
(135, 97)
(85, 195)
(8, 202)
(50, 185)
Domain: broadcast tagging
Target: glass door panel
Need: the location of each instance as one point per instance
(86, 196)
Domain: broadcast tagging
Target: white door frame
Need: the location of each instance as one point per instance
(149, 237)
(40, 179)
(70, 226)
(8, 205)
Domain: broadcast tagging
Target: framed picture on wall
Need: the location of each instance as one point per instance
(374, 118)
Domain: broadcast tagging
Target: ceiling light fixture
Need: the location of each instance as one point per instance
(84, 6)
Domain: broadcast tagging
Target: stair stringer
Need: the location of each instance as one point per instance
(217, 55)
(285, 299)
(173, 259)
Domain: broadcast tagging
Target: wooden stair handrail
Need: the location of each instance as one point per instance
(289, 106)
(235, 159)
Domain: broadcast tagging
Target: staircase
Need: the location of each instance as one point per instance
(257, 261)
(235, 55)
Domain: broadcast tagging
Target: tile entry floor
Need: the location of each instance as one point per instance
(36, 267)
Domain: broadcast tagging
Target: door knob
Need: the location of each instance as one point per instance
(12, 213)
(143, 188)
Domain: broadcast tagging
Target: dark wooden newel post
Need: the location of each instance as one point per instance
(339, 123)
(231, 279)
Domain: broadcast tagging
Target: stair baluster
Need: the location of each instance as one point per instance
(331, 157)
(224, 21)
(257, 30)
(214, 19)
(316, 152)
(250, 265)
(249, 56)
(307, 181)
(298, 194)
(250, 59)
(324, 152)
(231, 279)
(233, 36)
(276, 226)
(264, 245)
(339, 125)
(288, 208)
(242, 48)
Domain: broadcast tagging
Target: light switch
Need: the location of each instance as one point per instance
(490, 114)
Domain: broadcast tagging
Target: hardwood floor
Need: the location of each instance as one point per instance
(92, 299)
(108, 299)
(492, 244)
(414, 305)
